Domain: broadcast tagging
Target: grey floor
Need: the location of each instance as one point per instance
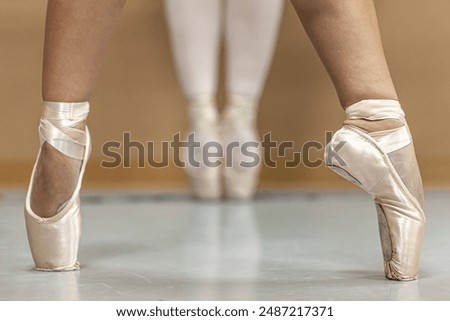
(294, 245)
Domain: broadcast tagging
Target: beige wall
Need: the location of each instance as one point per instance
(138, 91)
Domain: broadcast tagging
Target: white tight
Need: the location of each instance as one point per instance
(250, 28)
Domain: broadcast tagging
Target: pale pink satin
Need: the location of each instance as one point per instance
(368, 164)
(54, 241)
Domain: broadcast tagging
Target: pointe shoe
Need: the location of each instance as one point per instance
(204, 179)
(54, 241)
(384, 165)
(241, 169)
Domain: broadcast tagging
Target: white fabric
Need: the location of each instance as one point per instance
(376, 109)
(250, 28)
(393, 139)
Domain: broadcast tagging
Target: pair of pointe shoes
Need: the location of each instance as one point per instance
(383, 163)
(235, 175)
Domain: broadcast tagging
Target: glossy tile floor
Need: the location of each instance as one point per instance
(292, 245)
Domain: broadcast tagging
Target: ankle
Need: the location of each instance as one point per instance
(374, 115)
(372, 126)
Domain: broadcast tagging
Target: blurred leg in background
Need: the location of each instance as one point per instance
(250, 29)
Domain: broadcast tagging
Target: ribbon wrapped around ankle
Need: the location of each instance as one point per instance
(381, 109)
(376, 109)
(57, 127)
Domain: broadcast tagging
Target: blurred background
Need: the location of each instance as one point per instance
(138, 92)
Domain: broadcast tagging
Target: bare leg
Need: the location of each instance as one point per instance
(76, 36)
(346, 36)
(347, 39)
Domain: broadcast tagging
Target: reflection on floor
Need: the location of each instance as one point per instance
(292, 245)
